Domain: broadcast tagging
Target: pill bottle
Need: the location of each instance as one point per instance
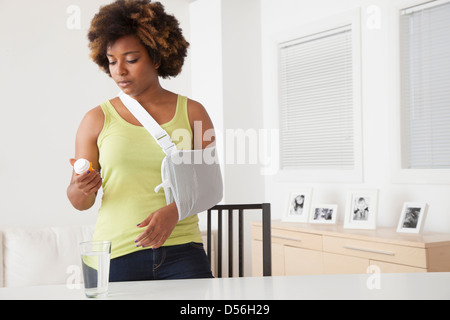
(82, 165)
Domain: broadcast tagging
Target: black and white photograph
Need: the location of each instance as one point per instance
(323, 214)
(298, 206)
(361, 209)
(412, 218)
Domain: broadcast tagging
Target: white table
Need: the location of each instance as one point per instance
(376, 286)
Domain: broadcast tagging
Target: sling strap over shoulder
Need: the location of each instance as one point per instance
(194, 186)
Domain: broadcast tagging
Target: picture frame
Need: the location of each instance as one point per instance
(412, 217)
(323, 214)
(297, 206)
(361, 209)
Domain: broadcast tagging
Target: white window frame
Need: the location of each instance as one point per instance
(355, 175)
(400, 174)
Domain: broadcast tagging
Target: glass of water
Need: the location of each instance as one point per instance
(95, 258)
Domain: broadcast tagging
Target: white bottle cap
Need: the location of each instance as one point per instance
(81, 166)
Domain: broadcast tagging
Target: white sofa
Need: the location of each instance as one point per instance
(30, 257)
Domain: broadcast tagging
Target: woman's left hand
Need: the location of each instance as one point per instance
(160, 225)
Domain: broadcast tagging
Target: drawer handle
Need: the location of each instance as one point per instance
(371, 251)
(287, 238)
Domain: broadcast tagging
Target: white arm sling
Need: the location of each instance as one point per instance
(190, 178)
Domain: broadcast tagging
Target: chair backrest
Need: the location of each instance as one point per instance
(267, 253)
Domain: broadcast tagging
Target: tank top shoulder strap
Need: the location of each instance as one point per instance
(110, 116)
(108, 109)
(182, 117)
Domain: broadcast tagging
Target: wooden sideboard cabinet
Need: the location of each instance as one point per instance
(307, 249)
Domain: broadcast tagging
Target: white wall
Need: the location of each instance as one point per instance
(378, 103)
(242, 72)
(206, 61)
(226, 75)
(48, 83)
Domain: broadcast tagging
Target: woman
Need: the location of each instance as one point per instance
(135, 42)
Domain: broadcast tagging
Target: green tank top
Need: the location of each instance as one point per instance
(130, 161)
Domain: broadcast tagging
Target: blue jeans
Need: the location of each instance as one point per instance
(185, 261)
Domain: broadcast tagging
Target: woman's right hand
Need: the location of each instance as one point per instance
(88, 183)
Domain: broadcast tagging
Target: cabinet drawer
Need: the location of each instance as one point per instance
(299, 261)
(340, 264)
(411, 256)
(386, 267)
(297, 239)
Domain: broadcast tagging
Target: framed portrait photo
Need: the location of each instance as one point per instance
(323, 213)
(297, 207)
(361, 209)
(412, 217)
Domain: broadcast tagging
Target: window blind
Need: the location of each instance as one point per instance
(425, 91)
(316, 101)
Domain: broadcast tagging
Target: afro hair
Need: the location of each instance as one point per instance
(158, 31)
